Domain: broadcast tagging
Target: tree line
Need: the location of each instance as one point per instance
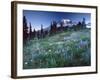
(53, 29)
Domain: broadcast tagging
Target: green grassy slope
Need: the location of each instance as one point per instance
(66, 49)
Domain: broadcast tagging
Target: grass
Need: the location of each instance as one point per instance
(66, 49)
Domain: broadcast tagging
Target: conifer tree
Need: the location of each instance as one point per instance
(42, 31)
(83, 23)
(34, 33)
(30, 31)
(25, 29)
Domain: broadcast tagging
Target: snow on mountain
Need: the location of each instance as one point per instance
(66, 23)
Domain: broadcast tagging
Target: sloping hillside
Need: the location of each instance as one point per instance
(66, 49)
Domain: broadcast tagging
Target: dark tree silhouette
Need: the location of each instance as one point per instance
(30, 32)
(83, 23)
(25, 29)
(42, 33)
(79, 26)
(53, 27)
(34, 33)
(38, 34)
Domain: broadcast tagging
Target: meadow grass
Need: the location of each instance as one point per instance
(66, 49)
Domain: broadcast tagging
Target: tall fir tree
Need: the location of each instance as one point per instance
(83, 23)
(79, 25)
(42, 31)
(25, 29)
(34, 33)
(61, 26)
(30, 32)
(53, 27)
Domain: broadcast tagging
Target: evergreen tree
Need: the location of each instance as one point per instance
(34, 33)
(83, 23)
(53, 27)
(25, 29)
(61, 26)
(79, 26)
(42, 31)
(38, 34)
(30, 32)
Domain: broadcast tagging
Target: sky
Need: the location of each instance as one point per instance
(36, 18)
